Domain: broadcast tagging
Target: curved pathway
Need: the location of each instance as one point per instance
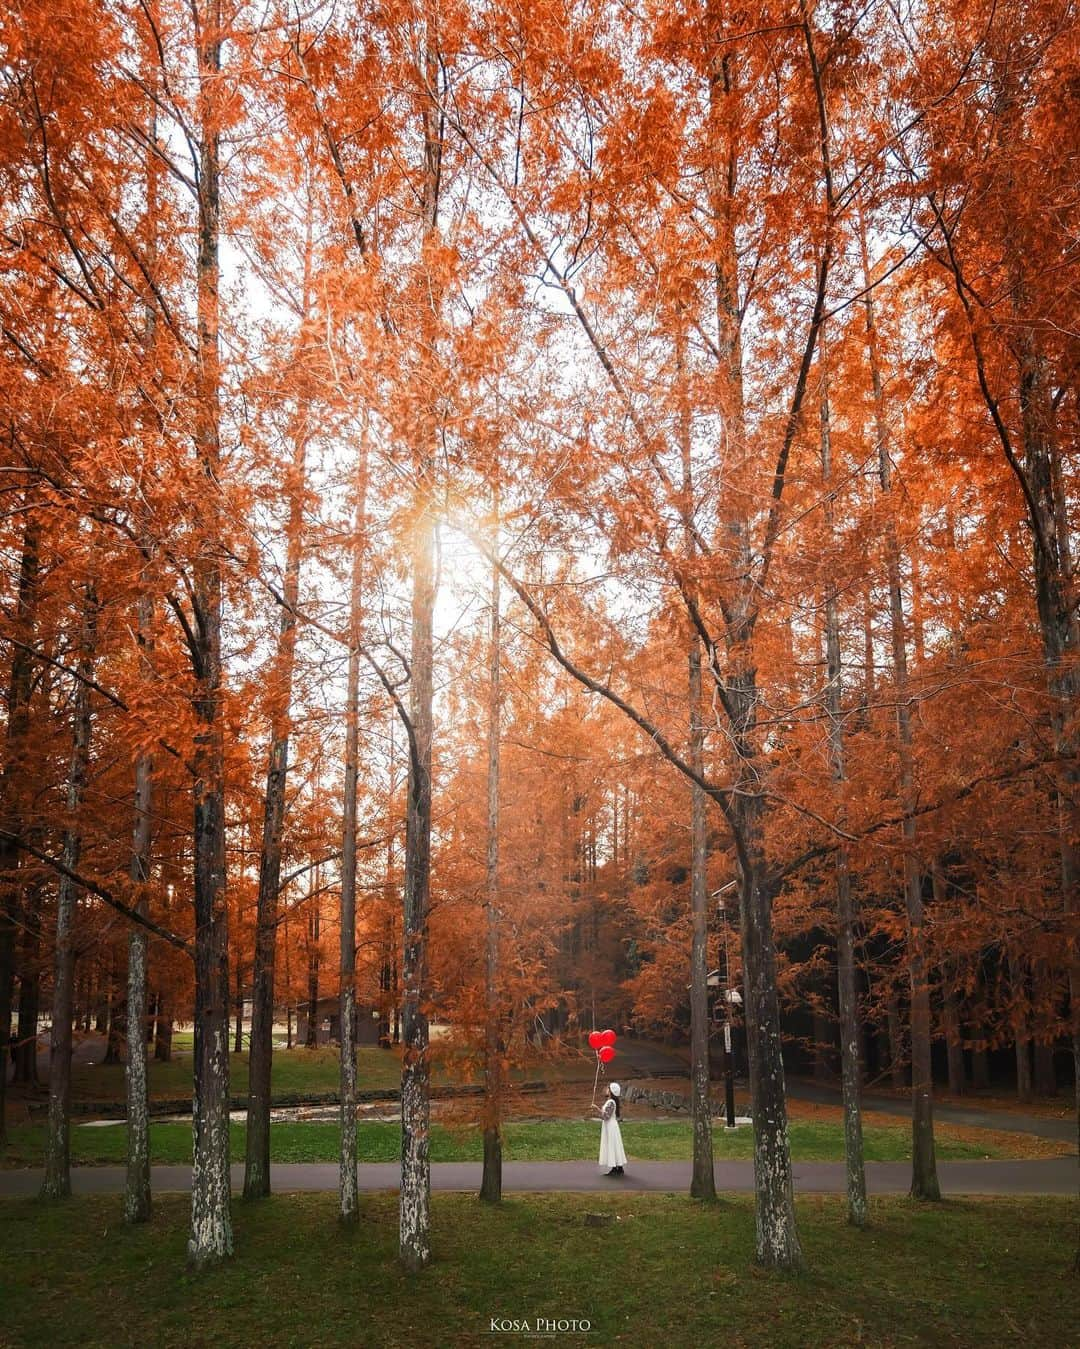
(1004, 1121)
(1053, 1175)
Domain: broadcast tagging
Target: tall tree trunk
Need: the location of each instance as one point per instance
(1056, 605)
(163, 1031)
(414, 1237)
(491, 1178)
(1021, 1028)
(954, 1049)
(211, 1238)
(238, 1006)
(950, 1003)
(847, 991)
(702, 1177)
(924, 1181)
(777, 1237)
(897, 1053)
(822, 1036)
(311, 1040)
(137, 1189)
(261, 1044)
(57, 1182)
(18, 722)
(980, 1066)
(137, 1200)
(415, 1221)
(117, 1028)
(348, 1197)
(1045, 1072)
(777, 1240)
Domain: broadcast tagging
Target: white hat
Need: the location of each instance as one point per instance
(615, 1089)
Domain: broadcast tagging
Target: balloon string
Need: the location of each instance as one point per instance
(596, 1077)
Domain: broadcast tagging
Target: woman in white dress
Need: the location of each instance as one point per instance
(611, 1148)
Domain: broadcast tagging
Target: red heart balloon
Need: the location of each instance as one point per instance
(595, 1039)
(608, 1037)
(606, 1054)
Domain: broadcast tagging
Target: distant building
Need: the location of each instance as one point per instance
(328, 1022)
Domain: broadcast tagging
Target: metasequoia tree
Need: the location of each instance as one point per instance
(137, 1188)
(746, 539)
(349, 1199)
(57, 1181)
(13, 774)
(1008, 275)
(847, 991)
(491, 1178)
(924, 1182)
(297, 384)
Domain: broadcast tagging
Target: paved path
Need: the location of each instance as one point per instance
(1055, 1175)
(1005, 1121)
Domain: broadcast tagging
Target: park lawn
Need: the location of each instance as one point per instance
(663, 1270)
(300, 1073)
(543, 1140)
(296, 1073)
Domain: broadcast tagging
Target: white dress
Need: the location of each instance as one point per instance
(611, 1148)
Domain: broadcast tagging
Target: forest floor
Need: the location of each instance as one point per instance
(640, 1269)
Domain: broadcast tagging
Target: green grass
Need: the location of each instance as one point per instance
(296, 1072)
(665, 1271)
(548, 1140)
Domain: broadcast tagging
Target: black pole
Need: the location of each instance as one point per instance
(729, 1071)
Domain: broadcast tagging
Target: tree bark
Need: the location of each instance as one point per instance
(137, 1198)
(261, 1045)
(950, 1005)
(954, 1049)
(1021, 1030)
(211, 1238)
(1055, 602)
(702, 1178)
(777, 1240)
(491, 1178)
(980, 1068)
(847, 990)
(1045, 1072)
(348, 1196)
(162, 1032)
(777, 1236)
(896, 1042)
(137, 1188)
(311, 1040)
(924, 1182)
(116, 1032)
(18, 723)
(57, 1181)
(415, 1200)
